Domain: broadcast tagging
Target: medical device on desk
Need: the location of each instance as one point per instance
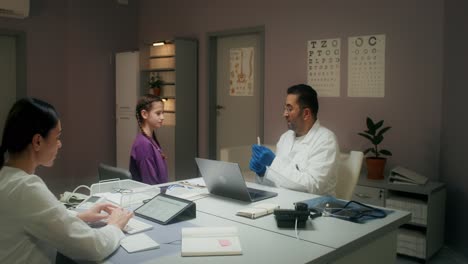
(288, 218)
(89, 202)
(125, 193)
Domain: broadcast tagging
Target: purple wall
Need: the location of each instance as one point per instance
(414, 33)
(69, 46)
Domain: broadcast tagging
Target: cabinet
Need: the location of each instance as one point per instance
(176, 65)
(424, 234)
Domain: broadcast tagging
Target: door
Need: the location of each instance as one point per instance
(239, 89)
(7, 77)
(127, 78)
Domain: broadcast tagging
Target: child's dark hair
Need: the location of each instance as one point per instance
(27, 117)
(145, 103)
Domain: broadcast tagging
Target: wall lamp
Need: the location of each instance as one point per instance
(159, 43)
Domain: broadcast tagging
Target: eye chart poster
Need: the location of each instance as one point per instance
(241, 71)
(366, 66)
(323, 66)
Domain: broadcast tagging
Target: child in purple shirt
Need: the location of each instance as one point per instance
(147, 160)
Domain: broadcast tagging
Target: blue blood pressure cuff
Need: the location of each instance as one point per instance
(346, 210)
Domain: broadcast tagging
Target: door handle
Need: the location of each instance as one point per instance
(219, 107)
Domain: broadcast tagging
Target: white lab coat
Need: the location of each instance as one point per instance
(306, 164)
(34, 224)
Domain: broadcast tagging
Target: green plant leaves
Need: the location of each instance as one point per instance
(369, 137)
(383, 130)
(385, 152)
(374, 134)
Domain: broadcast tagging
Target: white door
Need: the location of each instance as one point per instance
(239, 90)
(127, 82)
(7, 77)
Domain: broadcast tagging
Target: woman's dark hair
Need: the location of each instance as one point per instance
(145, 103)
(307, 97)
(27, 117)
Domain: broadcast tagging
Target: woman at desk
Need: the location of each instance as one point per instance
(147, 159)
(33, 223)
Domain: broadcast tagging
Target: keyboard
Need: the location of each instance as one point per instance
(135, 226)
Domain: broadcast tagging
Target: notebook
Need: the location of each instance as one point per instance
(210, 241)
(138, 242)
(225, 179)
(258, 210)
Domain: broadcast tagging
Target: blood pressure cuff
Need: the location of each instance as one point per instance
(346, 210)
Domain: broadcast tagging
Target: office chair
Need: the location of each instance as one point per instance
(348, 174)
(107, 172)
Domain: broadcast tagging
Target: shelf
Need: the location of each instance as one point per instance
(168, 83)
(162, 56)
(159, 70)
(169, 112)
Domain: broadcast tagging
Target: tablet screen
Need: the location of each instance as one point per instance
(162, 208)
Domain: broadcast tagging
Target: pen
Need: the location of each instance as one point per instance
(258, 141)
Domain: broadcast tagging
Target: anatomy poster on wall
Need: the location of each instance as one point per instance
(323, 66)
(241, 71)
(366, 66)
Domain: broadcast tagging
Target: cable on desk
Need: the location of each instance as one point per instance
(76, 189)
(295, 228)
(172, 242)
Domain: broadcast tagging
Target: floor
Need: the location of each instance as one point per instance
(444, 256)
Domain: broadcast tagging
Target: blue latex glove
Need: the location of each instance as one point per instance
(256, 167)
(261, 157)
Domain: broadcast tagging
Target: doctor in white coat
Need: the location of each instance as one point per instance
(306, 155)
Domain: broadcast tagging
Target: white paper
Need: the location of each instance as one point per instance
(210, 241)
(366, 66)
(241, 71)
(139, 242)
(323, 66)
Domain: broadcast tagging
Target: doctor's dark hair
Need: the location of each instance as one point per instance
(306, 97)
(27, 117)
(145, 103)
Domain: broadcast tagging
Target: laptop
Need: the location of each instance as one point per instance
(225, 179)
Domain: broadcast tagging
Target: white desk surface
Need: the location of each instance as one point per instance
(324, 239)
(328, 231)
(258, 246)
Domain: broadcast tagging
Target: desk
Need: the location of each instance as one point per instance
(324, 240)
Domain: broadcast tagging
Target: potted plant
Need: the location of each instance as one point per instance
(155, 84)
(375, 162)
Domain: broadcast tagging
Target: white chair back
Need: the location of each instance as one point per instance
(348, 174)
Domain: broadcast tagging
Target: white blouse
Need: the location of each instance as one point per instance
(34, 224)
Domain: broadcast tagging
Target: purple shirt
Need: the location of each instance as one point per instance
(146, 162)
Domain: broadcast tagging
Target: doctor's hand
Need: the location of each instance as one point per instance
(97, 212)
(262, 155)
(256, 167)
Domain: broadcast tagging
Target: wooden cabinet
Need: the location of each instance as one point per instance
(424, 234)
(176, 65)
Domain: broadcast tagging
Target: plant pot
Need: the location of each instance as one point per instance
(155, 91)
(375, 168)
